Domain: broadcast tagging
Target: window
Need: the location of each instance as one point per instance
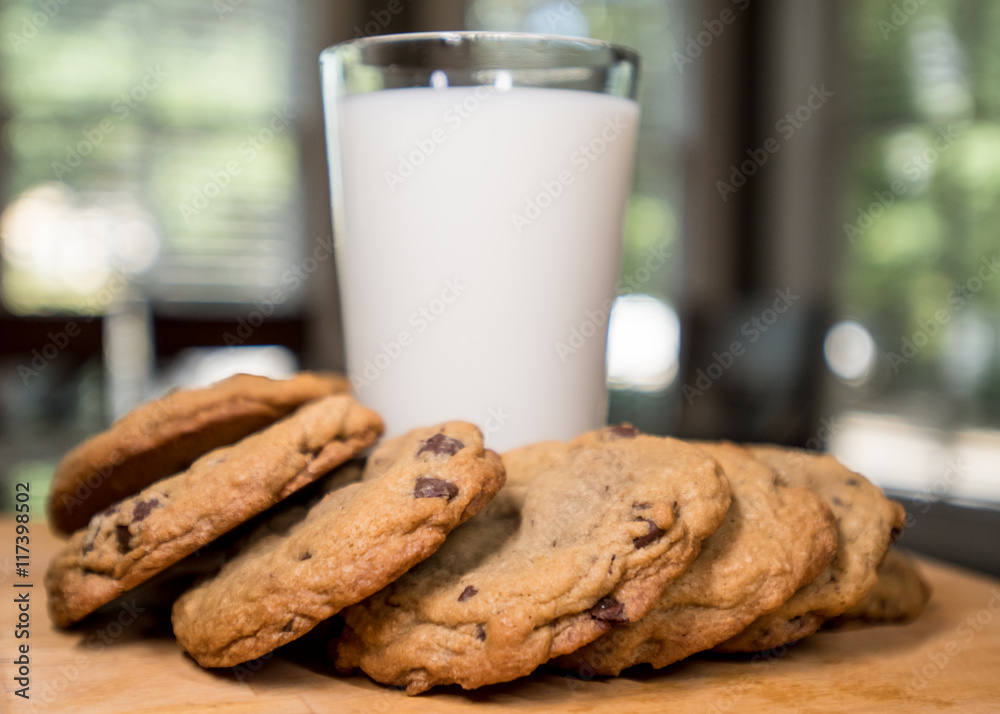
(917, 355)
(152, 144)
(150, 200)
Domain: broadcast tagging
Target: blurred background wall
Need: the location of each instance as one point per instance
(811, 244)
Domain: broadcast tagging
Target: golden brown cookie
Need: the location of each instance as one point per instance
(164, 436)
(353, 542)
(132, 540)
(867, 524)
(899, 595)
(585, 540)
(775, 540)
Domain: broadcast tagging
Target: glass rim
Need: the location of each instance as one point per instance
(619, 52)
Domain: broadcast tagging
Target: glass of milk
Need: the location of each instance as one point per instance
(479, 183)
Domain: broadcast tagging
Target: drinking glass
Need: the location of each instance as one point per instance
(479, 183)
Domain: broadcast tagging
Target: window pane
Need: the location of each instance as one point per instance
(923, 207)
(148, 141)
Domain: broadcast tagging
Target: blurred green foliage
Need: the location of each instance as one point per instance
(155, 99)
(922, 213)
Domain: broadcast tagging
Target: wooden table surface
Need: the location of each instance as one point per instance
(126, 661)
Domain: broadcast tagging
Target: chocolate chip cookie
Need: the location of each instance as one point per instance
(584, 537)
(164, 436)
(899, 595)
(132, 540)
(775, 539)
(352, 543)
(867, 524)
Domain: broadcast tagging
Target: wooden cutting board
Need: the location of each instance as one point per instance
(128, 662)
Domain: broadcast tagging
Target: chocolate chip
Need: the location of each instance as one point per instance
(88, 545)
(439, 444)
(608, 609)
(143, 509)
(434, 488)
(621, 431)
(641, 506)
(837, 501)
(480, 633)
(654, 532)
(611, 564)
(110, 510)
(288, 625)
(467, 593)
(306, 556)
(853, 482)
(894, 534)
(123, 538)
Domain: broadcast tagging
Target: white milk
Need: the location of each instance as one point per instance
(478, 243)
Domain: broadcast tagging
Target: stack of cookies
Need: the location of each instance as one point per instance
(448, 564)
